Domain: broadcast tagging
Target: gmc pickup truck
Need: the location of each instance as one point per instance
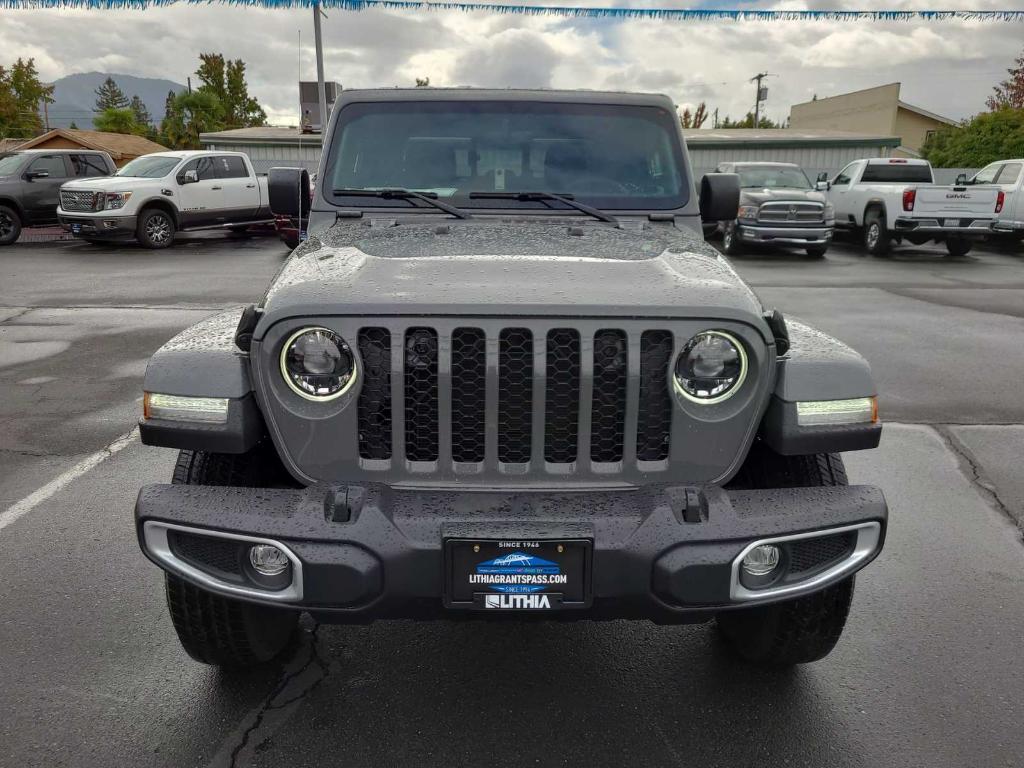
(505, 375)
(30, 181)
(156, 195)
(1008, 176)
(891, 199)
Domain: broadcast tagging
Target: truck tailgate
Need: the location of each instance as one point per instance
(977, 202)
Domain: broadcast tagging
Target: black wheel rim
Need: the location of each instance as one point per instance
(6, 225)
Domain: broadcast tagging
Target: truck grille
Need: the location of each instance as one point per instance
(511, 396)
(792, 213)
(81, 202)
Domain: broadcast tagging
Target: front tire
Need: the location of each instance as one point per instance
(10, 225)
(876, 237)
(219, 630)
(958, 247)
(155, 228)
(731, 244)
(807, 628)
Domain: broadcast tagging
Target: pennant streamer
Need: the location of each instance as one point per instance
(565, 11)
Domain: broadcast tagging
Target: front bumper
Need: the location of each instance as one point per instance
(99, 227)
(667, 553)
(775, 235)
(962, 227)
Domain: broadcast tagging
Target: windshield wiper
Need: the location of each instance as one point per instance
(405, 194)
(542, 196)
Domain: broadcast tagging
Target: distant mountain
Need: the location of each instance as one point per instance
(75, 97)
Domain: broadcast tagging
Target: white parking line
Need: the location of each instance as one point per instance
(33, 500)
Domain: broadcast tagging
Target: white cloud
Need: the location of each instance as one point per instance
(946, 67)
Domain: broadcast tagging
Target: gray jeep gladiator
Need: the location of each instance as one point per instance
(504, 376)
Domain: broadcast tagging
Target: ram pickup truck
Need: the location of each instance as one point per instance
(30, 182)
(154, 196)
(778, 206)
(1008, 177)
(505, 376)
(891, 199)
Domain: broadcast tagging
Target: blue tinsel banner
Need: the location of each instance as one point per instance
(568, 11)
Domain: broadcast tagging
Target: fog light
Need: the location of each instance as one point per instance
(268, 560)
(761, 560)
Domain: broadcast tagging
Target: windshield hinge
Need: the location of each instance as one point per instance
(348, 214)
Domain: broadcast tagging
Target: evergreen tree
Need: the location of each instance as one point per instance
(73, 126)
(188, 115)
(225, 80)
(118, 121)
(110, 96)
(138, 108)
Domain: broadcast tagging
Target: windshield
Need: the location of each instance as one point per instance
(772, 176)
(10, 164)
(149, 167)
(619, 157)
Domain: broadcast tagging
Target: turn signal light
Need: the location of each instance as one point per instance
(1000, 199)
(909, 198)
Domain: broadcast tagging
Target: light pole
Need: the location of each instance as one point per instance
(757, 98)
(320, 68)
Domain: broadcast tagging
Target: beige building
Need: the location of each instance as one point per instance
(875, 111)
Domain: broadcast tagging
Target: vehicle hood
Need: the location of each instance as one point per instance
(758, 196)
(511, 266)
(105, 184)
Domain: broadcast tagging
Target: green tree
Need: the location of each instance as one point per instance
(188, 115)
(1010, 92)
(21, 93)
(694, 119)
(118, 121)
(110, 96)
(225, 79)
(748, 122)
(422, 82)
(979, 141)
(73, 126)
(138, 108)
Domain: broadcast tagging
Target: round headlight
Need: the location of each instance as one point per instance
(318, 364)
(711, 367)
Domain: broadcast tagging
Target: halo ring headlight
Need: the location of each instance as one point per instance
(317, 364)
(711, 367)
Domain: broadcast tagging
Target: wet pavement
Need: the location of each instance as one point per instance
(928, 672)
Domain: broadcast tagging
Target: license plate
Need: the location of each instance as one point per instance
(951, 222)
(517, 575)
(76, 228)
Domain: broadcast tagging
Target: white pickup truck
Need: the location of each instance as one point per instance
(894, 199)
(1008, 176)
(154, 196)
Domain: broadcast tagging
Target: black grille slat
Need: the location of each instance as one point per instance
(562, 396)
(654, 416)
(421, 396)
(375, 396)
(608, 404)
(810, 554)
(207, 552)
(469, 378)
(515, 395)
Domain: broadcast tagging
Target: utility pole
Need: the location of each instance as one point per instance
(758, 97)
(320, 68)
(716, 117)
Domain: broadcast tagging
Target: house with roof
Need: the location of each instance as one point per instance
(121, 147)
(878, 110)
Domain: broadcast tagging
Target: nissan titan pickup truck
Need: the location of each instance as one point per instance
(778, 207)
(155, 196)
(891, 199)
(504, 376)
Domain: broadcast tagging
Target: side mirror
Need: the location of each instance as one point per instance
(32, 175)
(822, 185)
(823, 176)
(289, 192)
(961, 179)
(189, 177)
(719, 196)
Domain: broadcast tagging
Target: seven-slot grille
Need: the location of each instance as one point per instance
(80, 201)
(557, 396)
(792, 213)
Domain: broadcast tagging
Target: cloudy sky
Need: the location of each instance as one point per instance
(945, 67)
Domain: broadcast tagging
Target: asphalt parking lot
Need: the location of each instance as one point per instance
(928, 672)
